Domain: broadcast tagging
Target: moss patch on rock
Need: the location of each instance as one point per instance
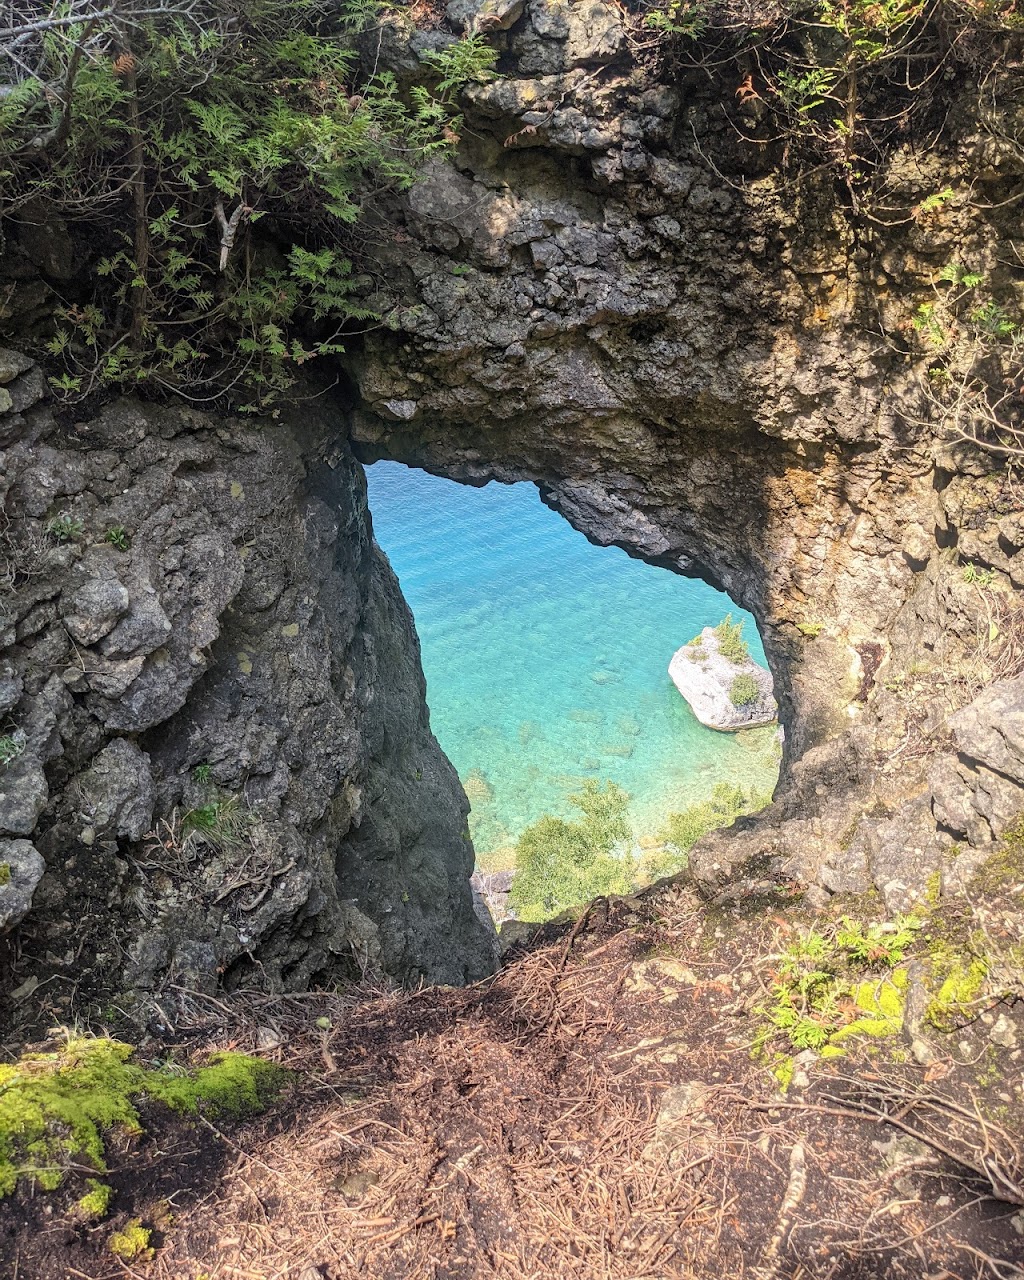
(835, 984)
(56, 1108)
(131, 1243)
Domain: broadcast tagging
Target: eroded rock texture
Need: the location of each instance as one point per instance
(612, 292)
(212, 687)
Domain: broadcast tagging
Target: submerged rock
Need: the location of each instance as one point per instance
(723, 694)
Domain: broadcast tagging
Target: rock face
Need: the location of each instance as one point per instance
(684, 349)
(707, 680)
(225, 759)
(226, 766)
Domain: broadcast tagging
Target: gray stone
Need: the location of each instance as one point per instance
(11, 685)
(95, 608)
(990, 729)
(496, 15)
(705, 676)
(548, 18)
(400, 410)
(1004, 1032)
(21, 869)
(12, 363)
(117, 791)
(144, 629)
(904, 853)
(23, 795)
(596, 35)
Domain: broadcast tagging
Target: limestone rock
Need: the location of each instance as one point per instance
(117, 791)
(1003, 1032)
(12, 363)
(991, 728)
(23, 795)
(596, 35)
(11, 686)
(704, 676)
(263, 638)
(95, 608)
(497, 15)
(904, 854)
(21, 869)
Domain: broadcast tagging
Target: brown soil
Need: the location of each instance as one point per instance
(591, 1112)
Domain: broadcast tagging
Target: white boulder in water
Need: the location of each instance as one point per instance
(726, 691)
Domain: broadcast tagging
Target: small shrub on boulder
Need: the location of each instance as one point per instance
(743, 691)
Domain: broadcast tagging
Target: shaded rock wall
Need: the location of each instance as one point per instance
(224, 761)
(611, 292)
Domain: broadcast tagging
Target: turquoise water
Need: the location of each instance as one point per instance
(547, 658)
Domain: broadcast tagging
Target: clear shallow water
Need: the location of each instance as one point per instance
(547, 658)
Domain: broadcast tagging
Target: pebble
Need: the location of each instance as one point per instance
(268, 1038)
(1004, 1033)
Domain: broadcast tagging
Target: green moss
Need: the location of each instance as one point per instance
(58, 1107)
(782, 1069)
(96, 1201)
(882, 1004)
(1005, 868)
(961, 979)
(131, 1242)
(5, 873)
(933, 888)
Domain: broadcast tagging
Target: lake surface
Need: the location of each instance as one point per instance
(547, 658)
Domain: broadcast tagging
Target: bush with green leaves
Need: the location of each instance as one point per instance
(743, 691)
(726, 803)
(561, 864)
(840, 83)
(216, 155)
(731, 644)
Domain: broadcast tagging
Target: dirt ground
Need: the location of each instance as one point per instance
(593, 1111)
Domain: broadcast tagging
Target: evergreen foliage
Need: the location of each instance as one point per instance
(726, 803)
(561, 864)
(170, 129)
(731, 644)
(836, 983)
(743, 691)
(839, 82)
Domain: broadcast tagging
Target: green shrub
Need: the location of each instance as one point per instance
(726, 804)
(64, 527)
(731, 644)
(118, 536)
(222, 823)
(169, 137)
(743, 691)
(561, 864)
